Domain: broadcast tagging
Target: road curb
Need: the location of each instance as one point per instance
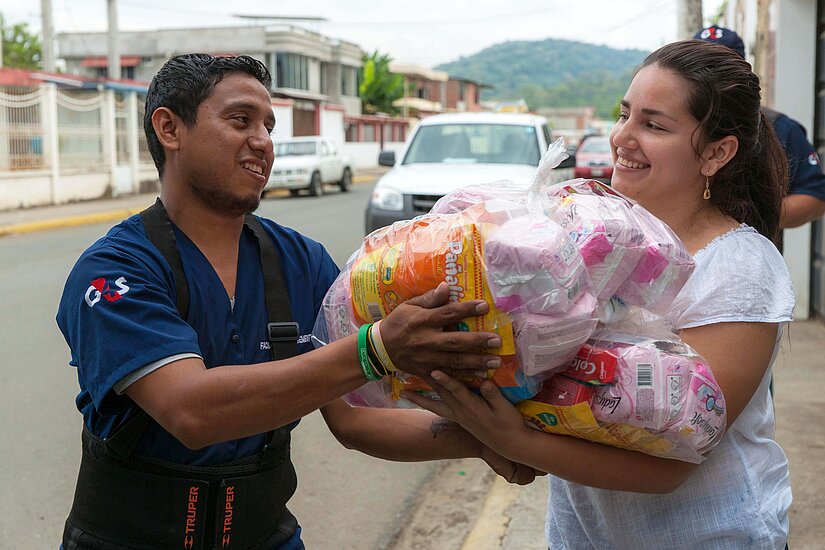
(69, 221)
(102, 217)
(491, 525)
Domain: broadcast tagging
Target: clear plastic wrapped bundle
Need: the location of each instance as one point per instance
(629, 253)
(520, 278)
(552, 262)
(652, 395)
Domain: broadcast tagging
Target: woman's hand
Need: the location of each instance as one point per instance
(512, 472)
(416, 340)
(490, 418)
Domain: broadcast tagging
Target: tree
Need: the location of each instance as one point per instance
(380, 87)
(21, 48)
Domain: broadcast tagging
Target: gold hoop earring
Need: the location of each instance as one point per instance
(706, 194)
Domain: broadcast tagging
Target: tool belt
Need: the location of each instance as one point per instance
(151, 504)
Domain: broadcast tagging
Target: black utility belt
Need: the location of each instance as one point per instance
(141, 509)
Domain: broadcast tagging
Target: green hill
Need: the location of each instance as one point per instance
(551, 73)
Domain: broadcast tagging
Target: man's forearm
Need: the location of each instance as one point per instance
(799, 209)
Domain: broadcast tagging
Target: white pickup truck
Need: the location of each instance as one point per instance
(309, 163)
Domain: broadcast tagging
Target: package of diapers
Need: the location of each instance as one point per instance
(630, 254)
(654, 396)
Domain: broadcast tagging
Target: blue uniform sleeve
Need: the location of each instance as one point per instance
(805, 171)
(117, 314)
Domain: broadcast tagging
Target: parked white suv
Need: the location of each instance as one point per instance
(309, 163)
(448, 151)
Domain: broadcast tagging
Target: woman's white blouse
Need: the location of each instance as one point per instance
(739, 497)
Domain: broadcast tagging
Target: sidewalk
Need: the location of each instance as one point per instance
(38, 218)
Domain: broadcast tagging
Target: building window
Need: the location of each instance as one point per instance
(351, 131)
(349, 81)
(324, 68)
(292, 71)
(126, 73)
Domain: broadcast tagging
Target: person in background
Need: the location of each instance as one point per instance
(693, 147)
(190, 328)
(805, 201)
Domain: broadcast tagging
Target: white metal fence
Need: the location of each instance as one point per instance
(21, 129)
(56, 135)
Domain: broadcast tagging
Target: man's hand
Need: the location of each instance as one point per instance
(418, 340)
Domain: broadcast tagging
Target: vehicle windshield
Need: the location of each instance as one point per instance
(474, 143)
(295, 148)
(593, 145)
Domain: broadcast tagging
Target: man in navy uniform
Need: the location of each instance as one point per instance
(805, 201)
(190, 324)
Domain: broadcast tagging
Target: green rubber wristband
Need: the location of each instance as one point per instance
(363, 355)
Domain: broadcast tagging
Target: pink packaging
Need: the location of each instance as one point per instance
(629, 253)
(545, 344)
(602, 225)
(663, 269)
(337, 314)
(532, 266)
(664, 387)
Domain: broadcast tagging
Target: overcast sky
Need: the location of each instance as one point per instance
(425, 32)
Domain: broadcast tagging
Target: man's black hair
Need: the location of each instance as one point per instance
(184, 82)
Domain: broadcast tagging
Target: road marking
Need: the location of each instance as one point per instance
(71, 221)
(491, 525)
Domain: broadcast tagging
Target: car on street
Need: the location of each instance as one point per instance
(448, 151)
(594, 159)
(309, 163)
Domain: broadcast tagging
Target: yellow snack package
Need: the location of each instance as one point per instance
(409, 259)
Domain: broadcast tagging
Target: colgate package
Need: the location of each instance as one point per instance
(664, 402)
(593, 366)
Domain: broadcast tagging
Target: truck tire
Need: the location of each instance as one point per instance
(346, 180)
(316, 188)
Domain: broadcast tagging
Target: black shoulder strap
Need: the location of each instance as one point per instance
(159, 231)
(283, 334)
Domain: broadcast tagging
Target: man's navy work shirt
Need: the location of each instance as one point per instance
(118, 314)
(804, 169)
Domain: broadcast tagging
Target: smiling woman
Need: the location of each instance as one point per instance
(691, 147)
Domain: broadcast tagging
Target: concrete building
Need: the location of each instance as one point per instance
(570, 122)
(314, 77)
(425, 90)
(464, 95)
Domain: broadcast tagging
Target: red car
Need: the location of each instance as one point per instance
(594, 160)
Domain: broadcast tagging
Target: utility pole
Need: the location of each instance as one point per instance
(48, 35)
(114, 53)
(690, 18)
(762, 64)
